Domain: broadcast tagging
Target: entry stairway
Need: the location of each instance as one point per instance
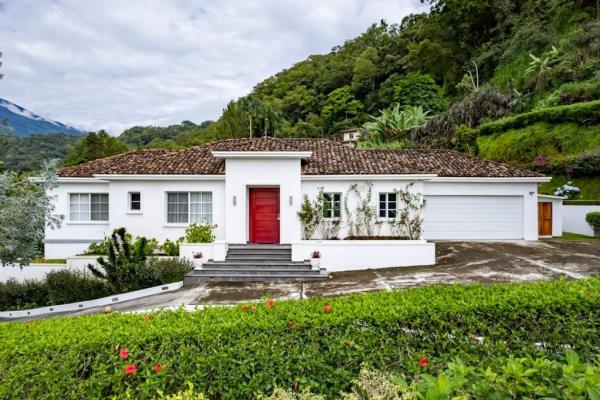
(255, 262)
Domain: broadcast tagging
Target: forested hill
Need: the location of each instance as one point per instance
(436, 79)
(430, 60)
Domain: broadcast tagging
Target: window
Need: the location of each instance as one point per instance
(88, 206)
(189, 207)
(332, 205)
(135, 201)
(387, 205)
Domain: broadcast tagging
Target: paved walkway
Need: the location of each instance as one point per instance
(457, 262)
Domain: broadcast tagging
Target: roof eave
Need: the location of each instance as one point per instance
(262, 154)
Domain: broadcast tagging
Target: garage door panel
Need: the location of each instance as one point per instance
(473, 217)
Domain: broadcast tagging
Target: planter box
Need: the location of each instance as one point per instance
(210, 251)
(349, 255)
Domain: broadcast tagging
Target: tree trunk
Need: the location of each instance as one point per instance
(250, 123)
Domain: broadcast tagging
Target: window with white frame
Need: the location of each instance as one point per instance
(388, 205)
(332, 205)
(135, 201)
(189, 207)
(88, 206)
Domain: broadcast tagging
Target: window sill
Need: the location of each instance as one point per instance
(88, 223)
(134, 213)
(184, 225)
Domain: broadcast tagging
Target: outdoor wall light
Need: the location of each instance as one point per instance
(234, 200)
(291, 200)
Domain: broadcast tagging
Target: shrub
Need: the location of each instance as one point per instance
(236, 352)
(159, 271)
(199, 233)
(121, 268)
(579, 113)
(16, 295)
(140, 243)
(71, 286)
(171, 248)
(593, 218)
(573, 92)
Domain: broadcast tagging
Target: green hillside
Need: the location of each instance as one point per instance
(515, 81)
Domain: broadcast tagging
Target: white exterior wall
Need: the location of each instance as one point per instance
(574, 219)
(557, 214)
(310, 187)
(151, 221)
(241, 174)
(74, 237)
(527, 190)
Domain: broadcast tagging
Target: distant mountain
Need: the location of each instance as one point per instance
(22, 122)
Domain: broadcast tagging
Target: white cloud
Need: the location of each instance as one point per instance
(112, 64)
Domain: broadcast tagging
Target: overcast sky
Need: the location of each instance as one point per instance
(113, 64)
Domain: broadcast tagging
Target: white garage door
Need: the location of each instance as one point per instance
(473, 217)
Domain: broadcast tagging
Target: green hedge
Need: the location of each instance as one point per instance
(316, 344)
(581, 202)
(580, 113)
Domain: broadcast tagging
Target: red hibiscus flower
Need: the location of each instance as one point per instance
(130, 369)
(156, 368)
(327, 309)
(124, 353)
(423, 362)
(270, 303)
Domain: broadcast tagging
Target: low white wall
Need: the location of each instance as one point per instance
(216, 251)
(29, 272)
(349, 255)
(82, 305)
(574, 219)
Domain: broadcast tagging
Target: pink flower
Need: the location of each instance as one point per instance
(130, 369)
(423, 362)
(124, 353)
(156, 368)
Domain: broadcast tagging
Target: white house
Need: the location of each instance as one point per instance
(252, 190)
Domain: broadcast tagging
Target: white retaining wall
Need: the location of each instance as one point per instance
(574, 219)
(350, 255)
(29, 272)
(82, 305)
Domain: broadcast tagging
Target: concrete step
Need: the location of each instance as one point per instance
(260, 246)
(270, 257)
(265, 252)
(256, 272)
(193, 279)
(261, 266)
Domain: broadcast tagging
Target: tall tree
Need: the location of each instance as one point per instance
(340, 109)
(26, 207)
(93, 146)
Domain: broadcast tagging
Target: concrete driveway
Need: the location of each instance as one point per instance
(457, 262)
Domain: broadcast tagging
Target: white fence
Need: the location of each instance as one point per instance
(574, 218)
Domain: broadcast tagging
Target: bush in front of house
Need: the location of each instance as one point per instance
(318, 344)
(199, 233)
(160, 271)
(593, 218)
(59, 287)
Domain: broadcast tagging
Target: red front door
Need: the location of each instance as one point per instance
(264, 215)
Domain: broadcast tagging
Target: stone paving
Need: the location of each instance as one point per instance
(457, 262)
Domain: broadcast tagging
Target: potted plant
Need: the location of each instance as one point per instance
(593, 218)
(315, 260)
(198, 258)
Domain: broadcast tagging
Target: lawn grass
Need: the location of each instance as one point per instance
(577, 237)
(42, 260)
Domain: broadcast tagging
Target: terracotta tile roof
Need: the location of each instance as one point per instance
(328, 158)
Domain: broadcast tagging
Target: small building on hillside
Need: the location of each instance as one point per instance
(350, 136)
